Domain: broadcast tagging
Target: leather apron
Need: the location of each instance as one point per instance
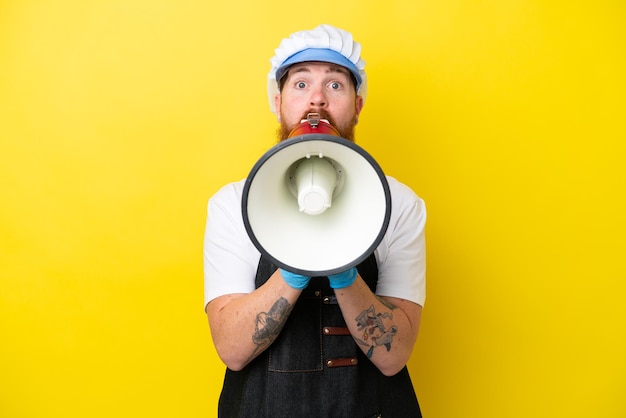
(315, 368)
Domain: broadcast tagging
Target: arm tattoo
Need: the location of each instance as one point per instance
(376, 332)
(386, 302)
(269, 324)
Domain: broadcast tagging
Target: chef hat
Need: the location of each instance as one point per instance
(325, 44)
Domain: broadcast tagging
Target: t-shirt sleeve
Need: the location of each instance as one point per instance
(230, 258)
(402, 255)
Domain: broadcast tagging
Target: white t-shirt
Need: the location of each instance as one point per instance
(231, 259)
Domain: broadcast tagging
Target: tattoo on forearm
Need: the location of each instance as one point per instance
(269, 324)
(386, 302)
(376, 331)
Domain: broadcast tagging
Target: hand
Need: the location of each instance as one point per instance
(297, 281)
(344, 279)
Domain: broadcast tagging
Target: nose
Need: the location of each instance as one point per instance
(318, 98)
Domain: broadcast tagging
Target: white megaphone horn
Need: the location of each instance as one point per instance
(316, 204)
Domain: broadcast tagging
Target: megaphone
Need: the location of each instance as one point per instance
(316, 204)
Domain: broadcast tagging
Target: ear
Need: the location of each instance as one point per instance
(277, 105)
(358, 105)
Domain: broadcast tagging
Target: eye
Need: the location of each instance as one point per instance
(300, 85)
(335, 85)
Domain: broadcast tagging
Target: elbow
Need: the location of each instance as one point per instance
(232, 361)
(235, 366)
(391, 366)
(391, 370)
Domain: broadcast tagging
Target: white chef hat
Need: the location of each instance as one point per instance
(325, 43)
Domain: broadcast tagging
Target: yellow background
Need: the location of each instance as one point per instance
(118, 120)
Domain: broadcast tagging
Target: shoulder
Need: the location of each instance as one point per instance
(228, 194)
(402, 196)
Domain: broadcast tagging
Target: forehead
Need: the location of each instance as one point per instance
(314, 66)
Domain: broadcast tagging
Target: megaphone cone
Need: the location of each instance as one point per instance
(316, 204)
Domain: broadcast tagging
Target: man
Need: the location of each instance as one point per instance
(296, 346)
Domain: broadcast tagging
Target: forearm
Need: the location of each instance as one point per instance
(244, 325)
(384, 328)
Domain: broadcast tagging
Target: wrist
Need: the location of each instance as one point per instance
(343, 279)
(296, 281)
